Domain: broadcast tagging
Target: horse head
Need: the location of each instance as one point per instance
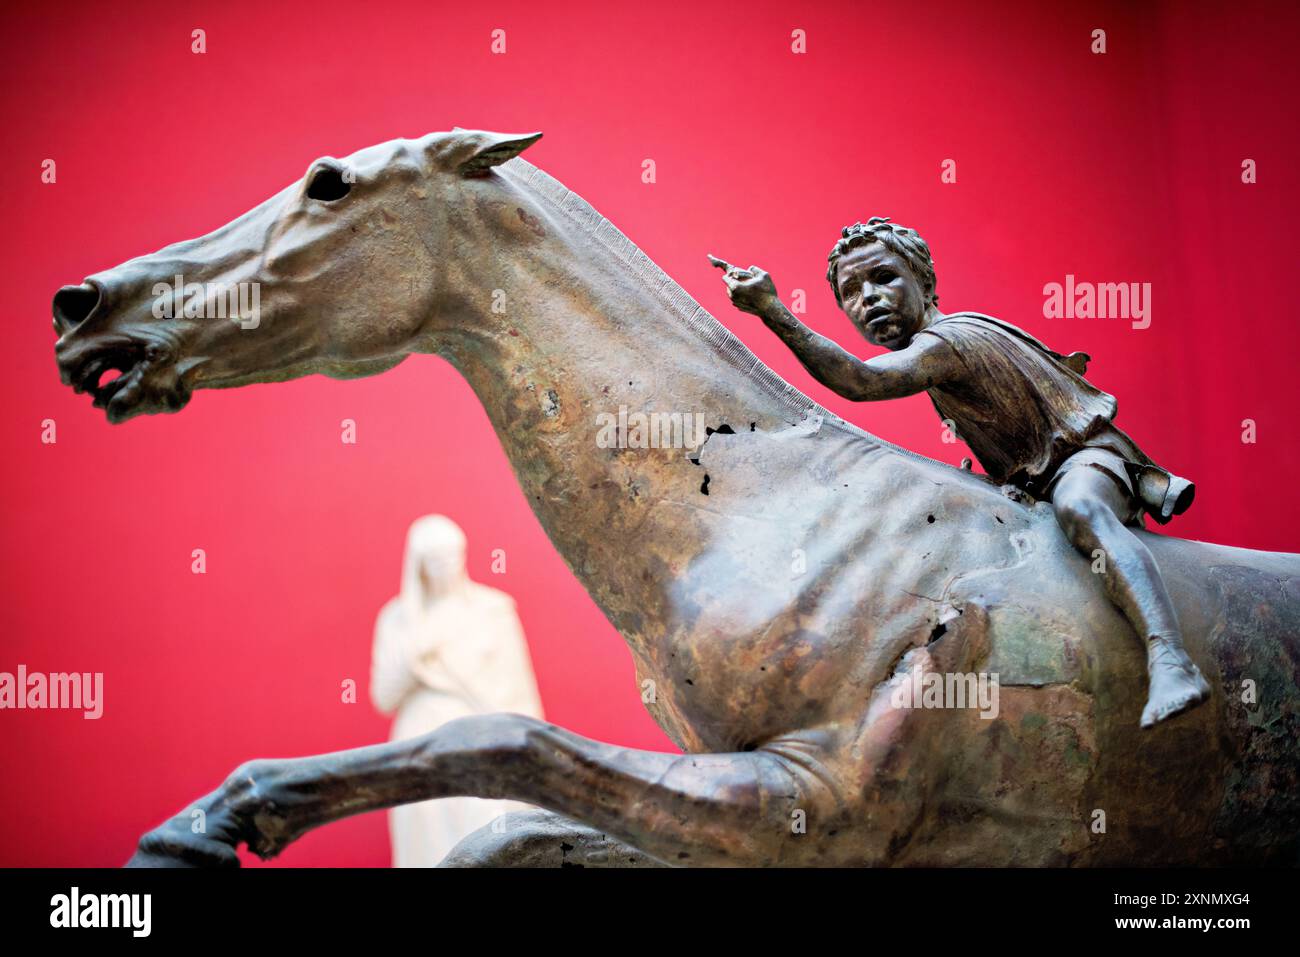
(343, 272)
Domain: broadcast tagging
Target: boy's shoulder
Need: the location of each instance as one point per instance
(954, 320)
(952, 326)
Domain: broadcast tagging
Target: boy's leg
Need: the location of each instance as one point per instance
(1091, 508)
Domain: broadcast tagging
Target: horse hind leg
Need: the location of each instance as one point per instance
(537, 838)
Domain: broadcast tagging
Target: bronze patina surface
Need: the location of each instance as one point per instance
(778, 584)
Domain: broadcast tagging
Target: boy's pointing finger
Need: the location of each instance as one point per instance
(732, 272)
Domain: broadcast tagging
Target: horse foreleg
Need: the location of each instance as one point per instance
(753, 807)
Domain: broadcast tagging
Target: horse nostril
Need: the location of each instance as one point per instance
(73, 305)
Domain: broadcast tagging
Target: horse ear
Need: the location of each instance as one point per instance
(474, 152)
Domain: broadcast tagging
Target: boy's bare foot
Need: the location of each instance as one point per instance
(1175, 685)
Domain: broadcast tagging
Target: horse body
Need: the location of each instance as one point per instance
(782, 599)
(778, 585)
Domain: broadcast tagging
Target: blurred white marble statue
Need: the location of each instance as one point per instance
(445, 647)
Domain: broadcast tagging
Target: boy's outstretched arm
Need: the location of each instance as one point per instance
(926, 362)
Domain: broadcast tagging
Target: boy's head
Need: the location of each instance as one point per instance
(883, 279)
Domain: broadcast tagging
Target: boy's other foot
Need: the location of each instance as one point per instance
(1175, 684)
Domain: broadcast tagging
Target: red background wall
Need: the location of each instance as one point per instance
(1118, 167)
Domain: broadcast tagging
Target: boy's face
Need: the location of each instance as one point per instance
(880, 295)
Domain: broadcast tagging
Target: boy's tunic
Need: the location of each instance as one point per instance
(1024, 409)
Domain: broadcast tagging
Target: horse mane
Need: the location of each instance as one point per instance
(715, 336)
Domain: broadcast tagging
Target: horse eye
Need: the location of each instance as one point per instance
(328, 184)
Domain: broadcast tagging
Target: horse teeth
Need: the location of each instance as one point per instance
(104, 393)
(89, 377)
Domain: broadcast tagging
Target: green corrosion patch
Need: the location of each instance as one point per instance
(1028, 649)
(1032, 722)
(1060, 735)
(1077, 756)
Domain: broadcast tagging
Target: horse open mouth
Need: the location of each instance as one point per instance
(126, 379)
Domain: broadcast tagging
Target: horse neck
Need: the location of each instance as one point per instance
(591, 326)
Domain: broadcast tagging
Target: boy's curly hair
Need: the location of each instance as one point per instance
(907, 243)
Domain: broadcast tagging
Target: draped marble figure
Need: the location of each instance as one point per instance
(446, 647)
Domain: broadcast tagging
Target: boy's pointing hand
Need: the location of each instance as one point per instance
(751, 290)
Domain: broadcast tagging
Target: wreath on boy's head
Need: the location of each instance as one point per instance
(906, 242)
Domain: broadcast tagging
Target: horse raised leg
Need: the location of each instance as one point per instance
(844, 794)
(698, 808)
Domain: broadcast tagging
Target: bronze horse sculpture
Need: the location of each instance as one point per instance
(777, 585)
